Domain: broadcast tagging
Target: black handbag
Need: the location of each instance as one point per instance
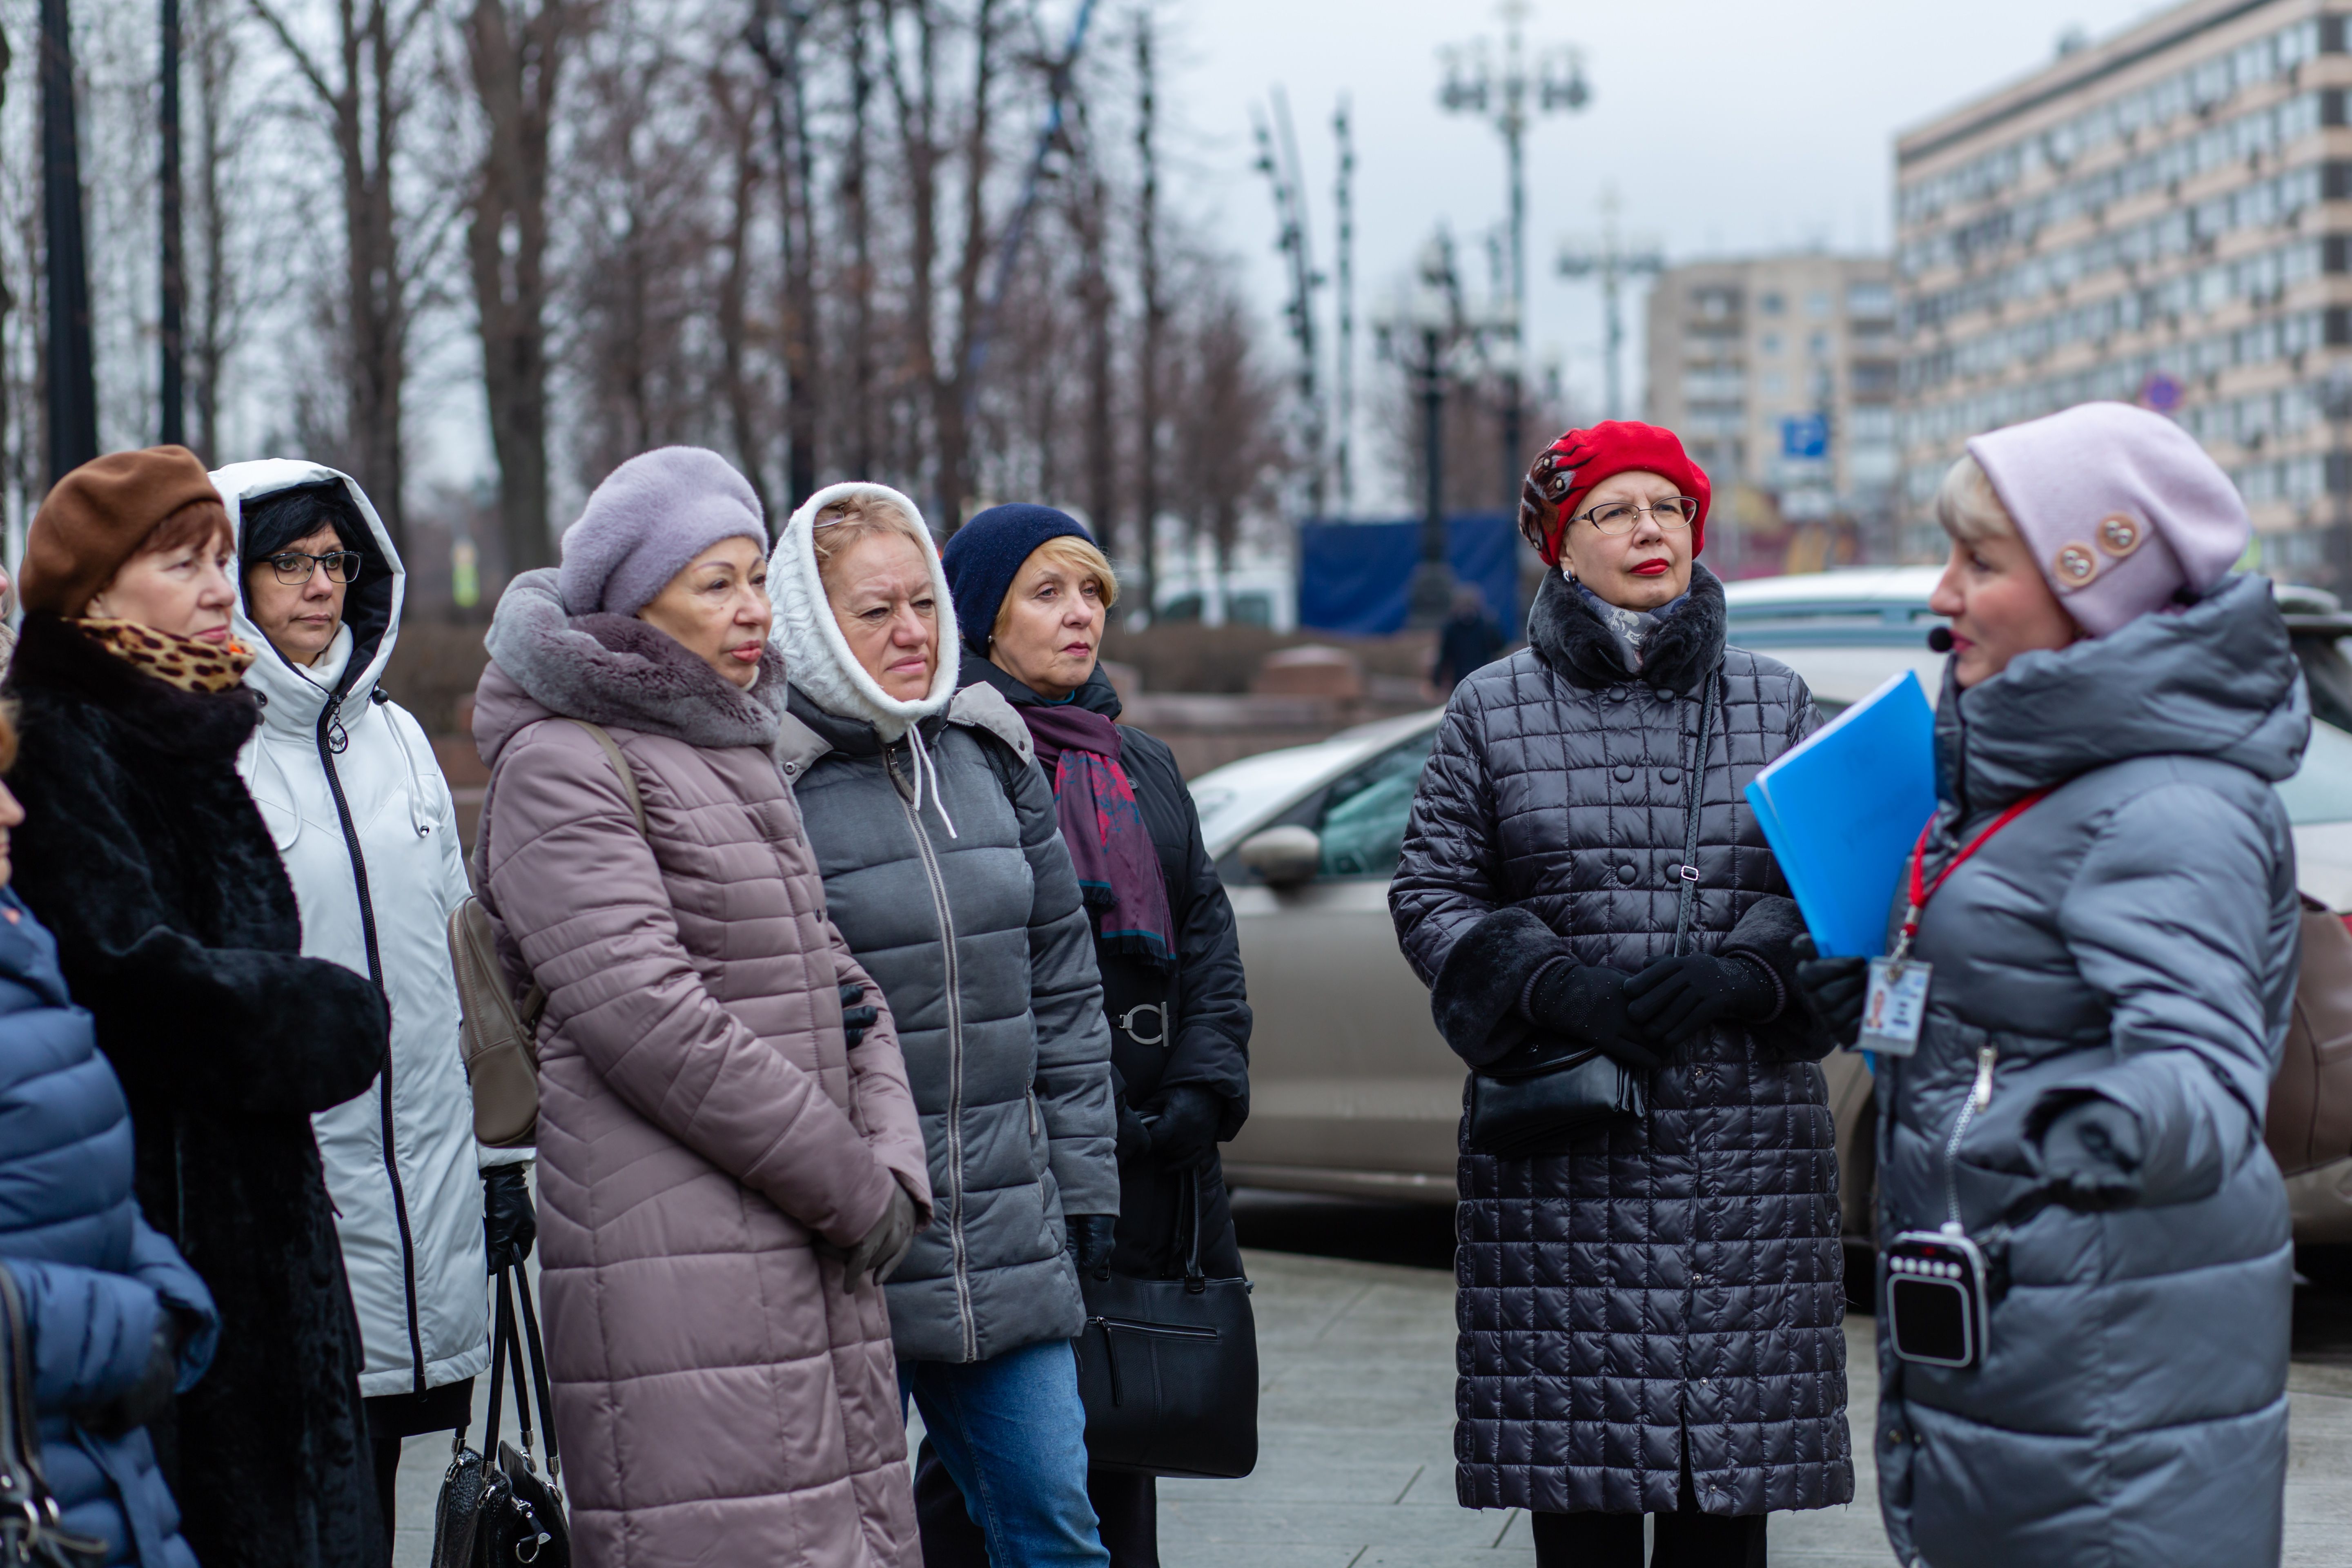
(1168, 1369)
(32, 1531)
(500, 1511)
(1545, 1109)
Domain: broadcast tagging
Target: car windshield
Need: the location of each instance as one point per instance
(2320, 789)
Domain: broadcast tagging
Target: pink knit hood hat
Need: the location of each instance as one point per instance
(647, 521)
(2121, 507)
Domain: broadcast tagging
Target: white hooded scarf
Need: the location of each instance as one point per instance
(817, 656)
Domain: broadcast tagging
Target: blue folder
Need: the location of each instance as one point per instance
(1843, 810)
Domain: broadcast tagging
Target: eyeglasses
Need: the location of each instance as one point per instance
(294, 568)
(1622, 517)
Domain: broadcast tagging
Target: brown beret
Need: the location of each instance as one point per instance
(98, 516)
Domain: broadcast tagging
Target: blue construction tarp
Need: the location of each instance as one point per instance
(1353, 576)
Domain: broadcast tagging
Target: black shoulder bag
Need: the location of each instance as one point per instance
(499, 1510)
(32, 1531)
(1546, 1107)
(1168, 1369)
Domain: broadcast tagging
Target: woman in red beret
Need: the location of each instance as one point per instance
(1652, 1296)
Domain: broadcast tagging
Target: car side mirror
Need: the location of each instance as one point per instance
(1284, 856)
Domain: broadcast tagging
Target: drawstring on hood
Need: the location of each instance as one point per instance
(818, 656)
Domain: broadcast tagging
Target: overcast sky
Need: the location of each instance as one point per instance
(1726, 126)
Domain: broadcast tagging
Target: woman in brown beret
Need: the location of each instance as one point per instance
(177, 928)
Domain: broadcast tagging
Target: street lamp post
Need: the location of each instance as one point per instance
(1509, 97)
(1612, 258)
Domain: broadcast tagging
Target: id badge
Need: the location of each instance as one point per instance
(1894, 1006)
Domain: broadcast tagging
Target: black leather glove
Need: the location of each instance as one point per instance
(1676, 999)
(146, 1399)
(882, 1247)
(1835, 987)
(1090, 1242)
(856, 1020)
(1184, 1126)
(1134, 1132)
(2089, 1155)
(510, 1225)
(1586, 1003)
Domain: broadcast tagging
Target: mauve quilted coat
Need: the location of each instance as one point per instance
(2131, 938)
(720, 1398)
(1670, 1295)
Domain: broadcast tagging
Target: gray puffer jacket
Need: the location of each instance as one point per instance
(957, 895)
(1669, 1293)
(2132, 938)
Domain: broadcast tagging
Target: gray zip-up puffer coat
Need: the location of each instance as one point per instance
(1671, 1295)
(959, 899)
(2132, 938)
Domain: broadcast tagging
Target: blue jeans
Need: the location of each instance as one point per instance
(1012, 1434)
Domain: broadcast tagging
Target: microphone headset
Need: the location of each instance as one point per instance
(1939, 640)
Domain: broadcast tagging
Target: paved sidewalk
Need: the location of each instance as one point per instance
(1357, 1466)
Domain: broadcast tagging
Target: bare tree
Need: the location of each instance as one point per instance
(364, 93)
(515, 49)
(1155, 313)
(737, 112)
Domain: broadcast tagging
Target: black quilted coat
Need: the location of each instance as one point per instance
(1667, 1299)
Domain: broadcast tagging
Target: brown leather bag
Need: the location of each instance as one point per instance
(498, 1030)
(2310, 1119)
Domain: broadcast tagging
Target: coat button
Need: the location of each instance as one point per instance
(1670, 775)
(1616, 694)
(1626, 873)
(1625, 775)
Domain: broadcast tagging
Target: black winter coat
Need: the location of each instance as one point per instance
(1668, 1297)
(176, 927)
(1206, 1029)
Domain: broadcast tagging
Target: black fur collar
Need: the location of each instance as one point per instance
(1568, 634)
(54, 659)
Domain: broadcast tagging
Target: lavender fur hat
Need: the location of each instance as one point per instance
(2121, 507)
(650, 518)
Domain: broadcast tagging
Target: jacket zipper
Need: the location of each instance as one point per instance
(958, 1246)
(332, 738)
(1979, 1096)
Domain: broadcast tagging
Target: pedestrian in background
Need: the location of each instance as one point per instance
(1032, 596)
(1651, 1320)
(1469, 640)
(176, 927)
(116, 1322)
(731, 1165)
(945, 868)
(364, 820)
(2112, 937)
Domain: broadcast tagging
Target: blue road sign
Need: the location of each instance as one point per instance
(1805, 436)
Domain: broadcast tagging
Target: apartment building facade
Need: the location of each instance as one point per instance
(2162, 218)
(1780, 373)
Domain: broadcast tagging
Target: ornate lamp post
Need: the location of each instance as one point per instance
(1511, 95)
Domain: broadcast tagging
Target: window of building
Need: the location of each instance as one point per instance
(1771, 342)
(1819, 345)
(1774, 382)
(1870, 301)
(1715, 304)
(1817, 304)
(1770, 302)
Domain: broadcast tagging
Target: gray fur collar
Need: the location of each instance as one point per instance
(616, 669)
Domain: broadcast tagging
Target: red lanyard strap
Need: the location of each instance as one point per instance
(1922, 890)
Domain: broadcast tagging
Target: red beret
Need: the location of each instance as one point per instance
(1571, 466)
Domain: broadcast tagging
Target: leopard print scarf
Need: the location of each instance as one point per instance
(189, 663)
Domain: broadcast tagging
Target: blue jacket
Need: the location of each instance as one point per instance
(95, 1277)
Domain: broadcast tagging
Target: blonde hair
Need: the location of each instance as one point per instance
(840, 526)
(1967, 506)
(1072, 554)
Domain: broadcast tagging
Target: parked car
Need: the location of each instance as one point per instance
(1352, 1090)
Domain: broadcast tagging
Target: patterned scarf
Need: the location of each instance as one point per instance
(1631, 628)
(191, 664)
(1117, 866)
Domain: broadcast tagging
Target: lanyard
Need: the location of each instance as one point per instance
(1922, 890)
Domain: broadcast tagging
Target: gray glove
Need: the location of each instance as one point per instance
(883, 1248)
(2089, 1155)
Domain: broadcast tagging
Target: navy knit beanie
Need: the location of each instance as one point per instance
(987, 554)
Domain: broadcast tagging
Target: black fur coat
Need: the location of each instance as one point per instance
(177, 928)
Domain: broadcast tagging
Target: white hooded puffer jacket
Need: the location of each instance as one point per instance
(347, 782)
